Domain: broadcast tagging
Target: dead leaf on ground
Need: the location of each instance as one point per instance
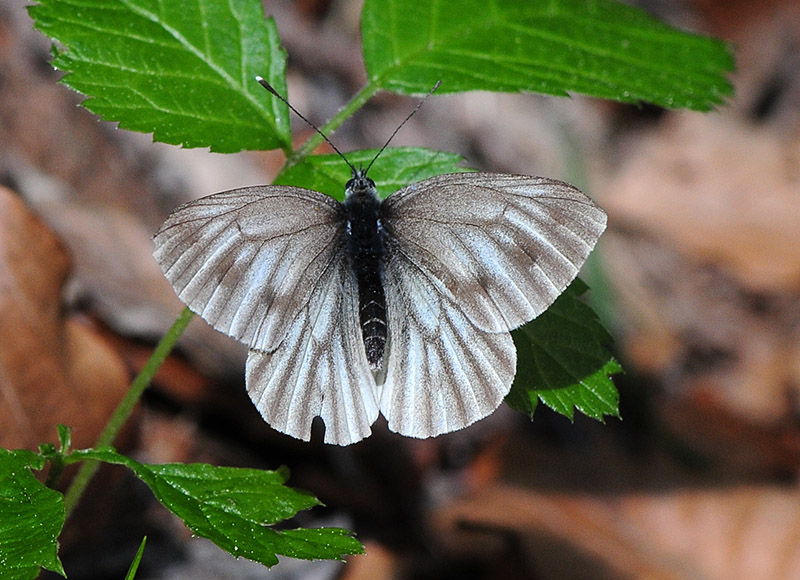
(720, 189)
(53, 369)
(704, 255)
(748, 533)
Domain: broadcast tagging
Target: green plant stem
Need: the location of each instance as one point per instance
(136, 561)
(126, 406)
(328, 128)
(56, 469)
(164, 347)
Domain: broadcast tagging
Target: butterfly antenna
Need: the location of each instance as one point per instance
(400, 126)
(269, 87)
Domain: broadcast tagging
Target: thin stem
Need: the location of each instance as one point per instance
(163, 348)
(56, 469)
(328, 128)
(126, 406)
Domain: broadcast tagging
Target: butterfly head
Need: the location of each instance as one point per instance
(359, 184)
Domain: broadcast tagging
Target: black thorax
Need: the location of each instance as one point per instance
(365, 238)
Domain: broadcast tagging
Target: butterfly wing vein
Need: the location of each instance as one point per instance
(502, 247)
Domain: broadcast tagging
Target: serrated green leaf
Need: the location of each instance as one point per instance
(233, 507)
(595, 47)
(31, 518)
(595, 395)
(563, 360)
(181, 70)
(395, 168)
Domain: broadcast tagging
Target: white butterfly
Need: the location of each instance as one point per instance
(401, 307)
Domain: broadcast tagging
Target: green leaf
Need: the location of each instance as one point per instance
(595, 47)
(137, 559)
(181, 70)
(563, 361)
(395, 167)
(64, 438)
(595, 395)
(234, 506)
(31, 518)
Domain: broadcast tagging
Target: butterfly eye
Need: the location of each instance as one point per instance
(360, 185)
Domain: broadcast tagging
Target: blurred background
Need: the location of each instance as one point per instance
(698, 279)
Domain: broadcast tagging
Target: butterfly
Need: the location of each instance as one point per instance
(402, 306)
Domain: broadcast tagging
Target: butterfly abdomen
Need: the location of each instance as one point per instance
(366, 249)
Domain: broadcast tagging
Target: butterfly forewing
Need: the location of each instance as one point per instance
(501, 247)
(320, 368)
(249, 259)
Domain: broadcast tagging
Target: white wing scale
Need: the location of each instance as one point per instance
(442, 372)
(502, 247)
(266, 265)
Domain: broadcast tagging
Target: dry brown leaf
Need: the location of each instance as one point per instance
(52, 369)
(704, 254)
(376, 562)
(719, 189)
(745, 533)
(694, 327)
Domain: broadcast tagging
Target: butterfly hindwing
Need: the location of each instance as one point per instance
(320, 368)
(442, 372)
